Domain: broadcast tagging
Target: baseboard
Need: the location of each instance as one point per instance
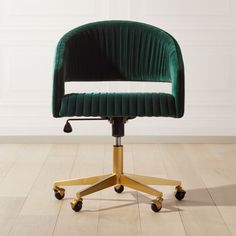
(108, 139)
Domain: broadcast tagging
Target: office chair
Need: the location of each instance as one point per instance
(118, 51)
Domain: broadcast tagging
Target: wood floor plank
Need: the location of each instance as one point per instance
(89, 162)
(9, 210)
(199, 214)
(219, 177)
(148, 161)
(8, 156)
(20, 178)
(39, 213)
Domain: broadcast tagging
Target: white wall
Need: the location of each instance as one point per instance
(206, 31)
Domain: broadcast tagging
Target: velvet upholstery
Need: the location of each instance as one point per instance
(118, 51)
(118, 104)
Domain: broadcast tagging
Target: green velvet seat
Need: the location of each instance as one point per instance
(118, 104)
(118, 51)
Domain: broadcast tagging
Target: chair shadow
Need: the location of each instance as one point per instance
(199, 197)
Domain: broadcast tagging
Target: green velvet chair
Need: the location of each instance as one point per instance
(118, 51)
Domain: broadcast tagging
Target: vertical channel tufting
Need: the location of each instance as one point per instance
(147, 56)
(131, 54)
(164, 104)
(77, 108)
(86, 106)
(156, 104)
(126, 52)
(167, 105)
(67, 107)
(133, 104)
(118, 104)
(140, 104)
(79, 104)
(113, 39)
(152, 104)
(63, 106)
(161, 58)
(150, 57)
(110, 103)
(124, 105)
(154, 58)
(141, 56)
(95, 104)
(147, 104)
(103, 105)
(71, 104)
(160, 104)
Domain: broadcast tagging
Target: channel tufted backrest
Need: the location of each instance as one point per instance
(118, 51)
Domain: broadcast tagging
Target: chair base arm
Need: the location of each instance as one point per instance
(137, 182)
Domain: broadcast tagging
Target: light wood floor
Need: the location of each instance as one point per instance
(28, 206)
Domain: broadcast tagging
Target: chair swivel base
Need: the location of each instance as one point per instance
(118, 179)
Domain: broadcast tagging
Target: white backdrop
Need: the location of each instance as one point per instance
(205, 30)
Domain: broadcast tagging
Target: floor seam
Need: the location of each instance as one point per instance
(72, 167)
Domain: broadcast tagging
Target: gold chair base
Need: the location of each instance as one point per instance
(137, 182)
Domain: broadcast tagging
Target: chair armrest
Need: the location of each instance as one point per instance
(59, 77)
(176, 68)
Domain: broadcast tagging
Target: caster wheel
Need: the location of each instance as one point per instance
(76, 205)
(156, 205)
(59, 193)
(119, 188)
(180, 193)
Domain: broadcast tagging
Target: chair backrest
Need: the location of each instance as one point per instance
(118, 50)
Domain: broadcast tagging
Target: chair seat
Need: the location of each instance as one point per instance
(118, 104)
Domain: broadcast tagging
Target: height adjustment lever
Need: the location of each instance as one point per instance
(68, 127)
